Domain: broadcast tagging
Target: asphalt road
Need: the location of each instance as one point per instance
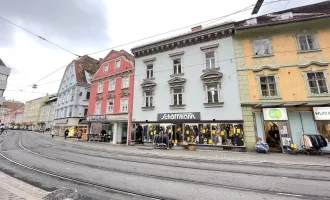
(51, 164)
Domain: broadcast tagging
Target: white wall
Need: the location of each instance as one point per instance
(194, 95)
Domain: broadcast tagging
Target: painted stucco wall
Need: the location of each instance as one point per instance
(194, 95)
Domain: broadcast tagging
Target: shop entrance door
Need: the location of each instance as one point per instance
(277, 135)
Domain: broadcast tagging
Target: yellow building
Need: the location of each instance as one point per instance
(283, 70)
(32, 109)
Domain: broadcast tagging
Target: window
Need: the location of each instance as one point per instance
(70, 111)
(72, 95)
(177, 96)
(148, 99)
(212, 93)
(85, 112)
(268, 86)
(97, 108)
(124, 105)
(323, 128)
(150, 71)
(112, 85)
(125, 83)
(307, 42)
(210, 59)
(110, 107)
(67, 97)
(117, 64)
(317, 83)
(177, 66)
(105, 67)
(100, 88)
(261, 47)
(88, 94)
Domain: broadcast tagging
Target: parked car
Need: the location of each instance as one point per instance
(16, 127)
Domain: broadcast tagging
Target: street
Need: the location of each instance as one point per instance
(51, 164)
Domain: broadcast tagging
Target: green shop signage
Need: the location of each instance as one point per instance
(275, 114)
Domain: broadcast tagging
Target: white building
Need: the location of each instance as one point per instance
(73, 95)
(4, 73)
(47, 112)
(187, 86)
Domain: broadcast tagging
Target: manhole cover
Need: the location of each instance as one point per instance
(62, 194)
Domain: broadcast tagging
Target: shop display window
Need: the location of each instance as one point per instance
(214, 134)
(323, 128)
(133, 132)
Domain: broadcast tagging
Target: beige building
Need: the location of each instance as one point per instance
(47, 112)
(32, 110)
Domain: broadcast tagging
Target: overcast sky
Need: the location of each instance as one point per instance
(86, 26)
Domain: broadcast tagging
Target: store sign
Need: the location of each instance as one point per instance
(321, 113)
(96, 118)
(187, 116)
(275, 114)
(61, 121)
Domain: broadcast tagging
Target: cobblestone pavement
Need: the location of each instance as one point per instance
(13, 189)
(6, 195)
(250, 157)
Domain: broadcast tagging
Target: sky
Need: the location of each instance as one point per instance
(87, 26)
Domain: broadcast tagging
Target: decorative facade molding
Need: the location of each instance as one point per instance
(110, 96)
(265, 67)
(98, 98)
(211, 76)
(209, 47)
(177, 82)
(124, 94)
(321, 64)
(176, 54)
(149, 60)
(148, 85)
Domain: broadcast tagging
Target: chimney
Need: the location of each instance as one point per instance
(196, 28)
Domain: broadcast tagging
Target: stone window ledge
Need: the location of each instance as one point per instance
(176, 75)
(149, 79)
(207, 70)
(183, 106)
(318, 95)
(263, 56)
(308, 51)
(148, 108)
(270, 98)
(211, 105)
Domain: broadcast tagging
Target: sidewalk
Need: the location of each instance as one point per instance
(13, 189)
(215, 156)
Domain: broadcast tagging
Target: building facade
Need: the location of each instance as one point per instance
(73, 96)
(283, 71)
(187, 85)
(4, 74)
(16, 116)
(31, 117)
(7, 108)
(110, 105)
(47, 112)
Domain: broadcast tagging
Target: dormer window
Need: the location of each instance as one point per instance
(117, 64)
(105, 67)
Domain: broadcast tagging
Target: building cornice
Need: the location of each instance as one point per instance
(120, 73)
(192, 38)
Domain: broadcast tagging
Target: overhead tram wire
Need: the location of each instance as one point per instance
(38, 36)
(218, 18)
(189, 26)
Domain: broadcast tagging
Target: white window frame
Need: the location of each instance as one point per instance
(317, 83)
(308, 45)
(100, 87)
(177, 96)
(210, 59)
(110, 109)
(97, 108)
(105, 67)
(150, 71)
(276, 85)
(150, 99)
(176, 66)
(117, 66)
(207, 90)
(125, 82)
(260, 46)
(112, 87)
(123, 108)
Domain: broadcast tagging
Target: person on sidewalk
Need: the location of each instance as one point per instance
(66, 133)
(79, 134)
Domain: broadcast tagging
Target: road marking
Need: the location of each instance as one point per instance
(288, 194)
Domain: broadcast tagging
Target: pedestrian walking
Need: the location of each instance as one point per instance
(66, 133)
(79, 134)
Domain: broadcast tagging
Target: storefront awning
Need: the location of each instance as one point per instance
(286, 104)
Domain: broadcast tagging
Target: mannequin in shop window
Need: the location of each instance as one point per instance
(138, 132)
(273, 138)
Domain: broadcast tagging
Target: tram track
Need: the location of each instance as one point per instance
(76, 180)
(303, 196)
(184, 167)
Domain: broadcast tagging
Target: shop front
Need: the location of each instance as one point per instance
(72, 124)
(187, 128)
(322, 120)
(108, 128)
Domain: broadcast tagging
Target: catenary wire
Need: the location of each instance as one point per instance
(218, 18)
(38, 36)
